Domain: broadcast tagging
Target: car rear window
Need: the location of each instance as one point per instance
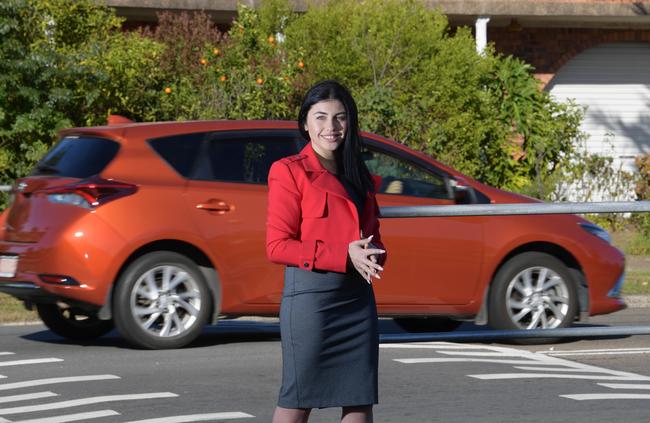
(77, 157)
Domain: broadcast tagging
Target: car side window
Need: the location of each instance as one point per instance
(243, 159)
(401, 177)
(179, 151)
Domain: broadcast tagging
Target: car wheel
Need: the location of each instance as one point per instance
(72, 322)
(161, 301)
(427, 324)
(532, 291)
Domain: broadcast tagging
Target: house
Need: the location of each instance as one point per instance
(594, 51)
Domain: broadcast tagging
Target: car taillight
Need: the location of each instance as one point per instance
(89, 193)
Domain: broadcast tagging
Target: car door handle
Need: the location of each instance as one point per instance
(218, 206)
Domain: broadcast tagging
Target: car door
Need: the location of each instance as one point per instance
(227, 199)
(432, 260)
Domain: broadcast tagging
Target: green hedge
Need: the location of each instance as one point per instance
(67, 63)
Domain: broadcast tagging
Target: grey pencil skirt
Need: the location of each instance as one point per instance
(330, 340)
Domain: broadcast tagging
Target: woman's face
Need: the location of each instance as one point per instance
(326, 124)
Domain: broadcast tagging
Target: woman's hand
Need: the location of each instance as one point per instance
(364, 259)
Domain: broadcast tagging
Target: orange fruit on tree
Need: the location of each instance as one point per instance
(168, 90)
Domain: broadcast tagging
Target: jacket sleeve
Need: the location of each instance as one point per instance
(283, 242)
(376, 239)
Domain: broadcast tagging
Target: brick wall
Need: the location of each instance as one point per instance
(547, 49)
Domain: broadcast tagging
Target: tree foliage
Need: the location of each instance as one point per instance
(66, 63)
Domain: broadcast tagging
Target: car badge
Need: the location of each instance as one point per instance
(21, 186)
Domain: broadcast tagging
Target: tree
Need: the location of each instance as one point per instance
(65, 63)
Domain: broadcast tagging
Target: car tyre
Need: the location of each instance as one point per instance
(72, 322)
(532, 291)
(161, 301)
(427, 324)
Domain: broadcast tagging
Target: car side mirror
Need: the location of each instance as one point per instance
(463, 194)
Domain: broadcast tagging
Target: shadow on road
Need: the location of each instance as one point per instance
(242, 331)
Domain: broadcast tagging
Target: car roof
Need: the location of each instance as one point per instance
(173, 127)
(136, 132)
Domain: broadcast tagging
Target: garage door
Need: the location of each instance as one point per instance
(613, 81)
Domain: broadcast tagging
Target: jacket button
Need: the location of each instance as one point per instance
(305, 264)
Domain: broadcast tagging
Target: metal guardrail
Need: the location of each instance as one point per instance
(515, 209)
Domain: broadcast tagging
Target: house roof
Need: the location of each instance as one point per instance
(544, 13)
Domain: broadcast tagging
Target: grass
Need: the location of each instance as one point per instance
(13, 311)
(637, 282)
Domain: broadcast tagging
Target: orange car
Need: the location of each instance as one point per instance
(159, 228)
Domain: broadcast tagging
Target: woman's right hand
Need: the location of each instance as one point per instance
(364, 259)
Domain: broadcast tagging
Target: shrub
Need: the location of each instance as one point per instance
(415, 80)
(42, 70)
(421, 83)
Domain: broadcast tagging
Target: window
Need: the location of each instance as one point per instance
(179, 151)
(244, 158)
(401, 177)
(77, 157)
(227, 156)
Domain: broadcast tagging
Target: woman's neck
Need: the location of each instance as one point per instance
(328, 163)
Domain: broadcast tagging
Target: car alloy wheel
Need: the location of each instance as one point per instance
(161, 301)
(165, 301)
(537, 298)
(532, 290)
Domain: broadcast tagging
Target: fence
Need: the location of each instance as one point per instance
(515, 209)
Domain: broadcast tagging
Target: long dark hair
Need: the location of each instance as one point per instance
(349, 162)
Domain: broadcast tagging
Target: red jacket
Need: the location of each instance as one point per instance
(311, 221)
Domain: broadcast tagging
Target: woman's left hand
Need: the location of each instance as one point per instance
(364, 259)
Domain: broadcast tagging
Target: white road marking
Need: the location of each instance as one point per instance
(25, 397)
(6, 353)
(461, 360)
(196, 418)
(583, 397)
(29, 361)
(481, 353)
(85, 401)
(53, 380)
(500, 376)
(428, 345)
(71, 417)
(553, 352)
(565, 354)
(625, 385)
(561, 369)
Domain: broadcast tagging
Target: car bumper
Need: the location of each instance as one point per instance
(84, 254)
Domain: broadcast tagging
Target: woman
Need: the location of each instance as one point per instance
(322, 217)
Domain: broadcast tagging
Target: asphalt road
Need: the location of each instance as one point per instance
(233, 373)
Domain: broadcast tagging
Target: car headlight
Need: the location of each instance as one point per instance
(597, 231)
